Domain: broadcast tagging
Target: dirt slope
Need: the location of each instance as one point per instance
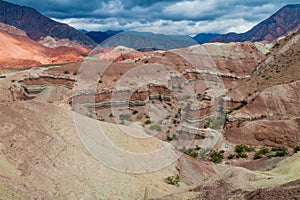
(19, 51)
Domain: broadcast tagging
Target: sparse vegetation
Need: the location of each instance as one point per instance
(241, 155)
(281, 152)
(66, 72)
(216, 156)
(171, 138)
(231, 156)
(172, 180)
(296, 149)
(190, 152)
(243, 148)
(75, 73)
(206, 125)
(257, 155)
(263, 151)
(147, 122)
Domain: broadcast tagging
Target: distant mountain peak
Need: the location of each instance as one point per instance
(279, 24)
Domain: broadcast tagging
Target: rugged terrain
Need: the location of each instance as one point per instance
(141, 117)
(281, 23)
(19, 51)
(24, 17)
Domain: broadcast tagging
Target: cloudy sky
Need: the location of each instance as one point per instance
(187, 17)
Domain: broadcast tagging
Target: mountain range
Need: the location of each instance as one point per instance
(283, 21)
(38, 26)
(279, 24)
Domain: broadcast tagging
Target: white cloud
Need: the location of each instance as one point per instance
(184, 27)
(190, 9)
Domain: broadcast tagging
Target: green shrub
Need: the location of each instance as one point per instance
(264, 151)
(172, 180)
(189, 152)
(207, 125)
(243, 148)
(241, 155)
(296, 149)
(216, 157)
(197, 148)
(257, 155)
(280, 151)
(231, 156)
(171, 138)
(75, 73)
(148, 121)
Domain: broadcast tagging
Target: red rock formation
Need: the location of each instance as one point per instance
(19, 51)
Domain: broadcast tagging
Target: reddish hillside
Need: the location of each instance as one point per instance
(19, 51)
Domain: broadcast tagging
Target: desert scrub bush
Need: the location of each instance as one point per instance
(75, 73)
(243, 148)
(241, 155)
(296, 149)
(189, 152)
(147, 122)
(172, 180)
(263, 151)
(171, 138)
(257, 155)
(66, 72)
(216, 156)
(231, 156)
(155, 128)
(279, 151)
(206, 125)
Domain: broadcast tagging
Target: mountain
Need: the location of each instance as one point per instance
(19, 51)
(145, 41)
(205, 37)
(285, 20)
(99, 36)
(37, 25)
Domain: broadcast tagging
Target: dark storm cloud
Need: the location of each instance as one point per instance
(172, 16)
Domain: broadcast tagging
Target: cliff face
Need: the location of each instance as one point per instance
(285, 20)
(37, 25)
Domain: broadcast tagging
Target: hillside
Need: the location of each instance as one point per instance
(19, 51)
(282, 22)
(37, 25)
